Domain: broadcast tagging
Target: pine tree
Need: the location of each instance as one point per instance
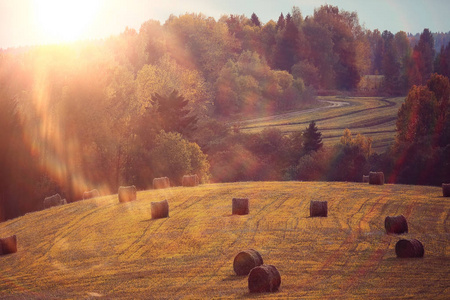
(255, 20)
(287, 47)
(173, 114)
(312, 138)
(424, 53)
(390, 64)
(281, 23)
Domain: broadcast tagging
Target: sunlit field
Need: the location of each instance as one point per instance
(102, 96)
(373, 117)
(103, 248)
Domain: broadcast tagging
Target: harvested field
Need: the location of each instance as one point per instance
(100, 247)
(373, 117)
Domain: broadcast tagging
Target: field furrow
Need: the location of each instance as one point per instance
(103, 248)
(373, 117)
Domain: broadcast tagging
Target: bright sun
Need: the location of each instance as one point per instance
(64, 20)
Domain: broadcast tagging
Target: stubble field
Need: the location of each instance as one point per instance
(100, 248)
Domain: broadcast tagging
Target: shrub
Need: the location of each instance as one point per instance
(174, 157)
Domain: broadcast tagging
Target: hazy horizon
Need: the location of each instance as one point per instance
(32, 22)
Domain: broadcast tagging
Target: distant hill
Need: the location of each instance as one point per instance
(102, 248)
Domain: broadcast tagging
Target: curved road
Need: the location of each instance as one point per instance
(332, 104)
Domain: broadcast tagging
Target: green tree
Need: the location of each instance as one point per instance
(249, 85)
(442, 62)
(168, 75)
(174, 157)
(312, 138)
(287, 47)
(255, 20)
(320, 53)
(208, 42)
(199, 162)
(268, 40)
(424, 54)
(342, 25)
(391, 64)
(377, 46)
(173, 113)
(281, 23)
(404, 52)
(128, 49)
(154, 40)
(362, 143)
(440, 86)
(307, 72)
(235, 24)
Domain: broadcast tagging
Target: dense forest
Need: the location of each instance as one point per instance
(140, 105)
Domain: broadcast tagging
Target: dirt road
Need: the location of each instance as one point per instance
(332, 105)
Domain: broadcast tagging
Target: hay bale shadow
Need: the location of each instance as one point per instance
(234, 277)
(249, 295)
(147, 220)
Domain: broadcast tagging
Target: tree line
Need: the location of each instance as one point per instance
(156, 102)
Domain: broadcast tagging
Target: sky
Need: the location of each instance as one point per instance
(37, 22)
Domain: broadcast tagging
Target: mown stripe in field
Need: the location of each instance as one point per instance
(190, 254)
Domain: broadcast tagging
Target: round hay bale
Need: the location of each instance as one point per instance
(446, 189)
(365, 178)
(54, 200)
(8, 245)
(409, 248)
(264, 279)
(396, 224)
(376, 178)
(161, 183)
(160, 209)
(189, 180)
(318, 208)
(240, 206)
(91, 194)
(246, 260)
(127, 193)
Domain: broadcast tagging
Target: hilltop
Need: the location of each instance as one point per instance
(103, 248)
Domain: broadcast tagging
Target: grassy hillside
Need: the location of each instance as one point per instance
(102, 248)
(371, 116)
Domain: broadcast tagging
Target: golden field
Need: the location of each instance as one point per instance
(373, 117)
(100, 248)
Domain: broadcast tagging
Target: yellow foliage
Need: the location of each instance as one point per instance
(166, 76)
(360, 141)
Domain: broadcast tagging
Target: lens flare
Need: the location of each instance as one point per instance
(45, 128)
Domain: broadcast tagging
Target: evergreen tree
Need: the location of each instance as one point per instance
(234, 26)
(287, 46)
(390, 64)
(281, 22)
(173, 113)
(312, 138)
(442, 62)
(377, 48)
(424, 54)
(255, 20)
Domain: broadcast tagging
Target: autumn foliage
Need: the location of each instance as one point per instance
(160, 101)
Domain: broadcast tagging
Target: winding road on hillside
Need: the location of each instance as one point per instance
(332, 104)
(370, 116)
